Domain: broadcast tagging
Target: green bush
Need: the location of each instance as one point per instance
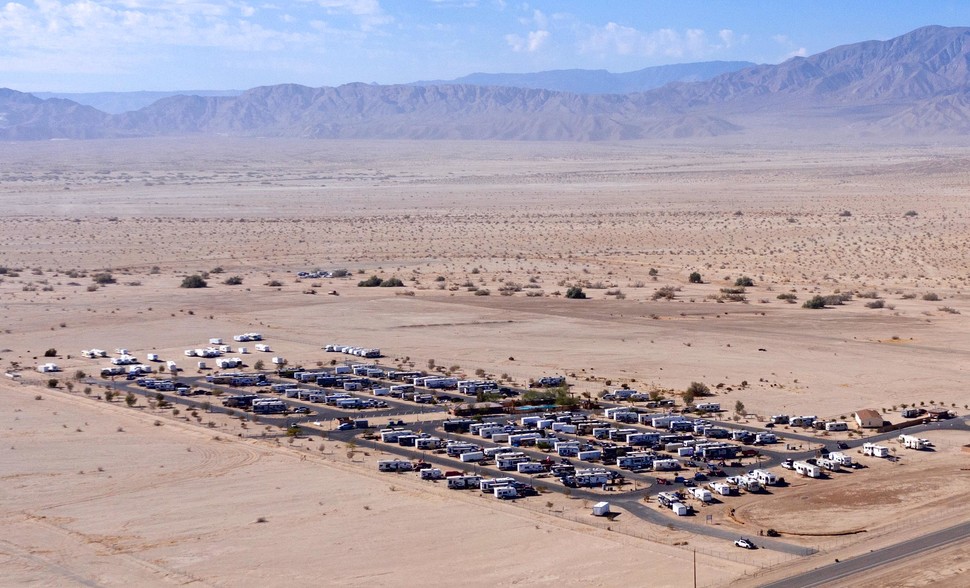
(695, 278)
(576, 293)
(193, 281)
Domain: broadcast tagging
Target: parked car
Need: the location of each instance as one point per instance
(843, 445)
(301, 410)
(745, 543)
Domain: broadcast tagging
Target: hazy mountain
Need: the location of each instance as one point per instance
(118, 102)
(914, 85)
(26, 117)
(600, 81)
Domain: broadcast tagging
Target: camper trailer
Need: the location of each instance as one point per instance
(836, 426)
(873, 450)
(765, 477)
(808, 470)
(702, 494)
(463, 482)
(912, 442)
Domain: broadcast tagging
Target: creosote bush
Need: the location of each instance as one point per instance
(193, 281)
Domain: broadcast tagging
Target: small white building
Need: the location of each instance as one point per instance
(868, 419)
(601, 509)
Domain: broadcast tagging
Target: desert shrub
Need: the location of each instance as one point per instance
(482, 292)
(931, 297)
(339, 273)
(665, 293)
(744, 282)
(814, 302)
(392, 283)
(130, 399)
(837, 299)
(876, 304)
(653, 271)
(371, 282)
(50, 352)
(949, 310)
(868, 294)
(52, 383)
(788, 297)
(911, 213)
(695, 278)
(233, 281)
(103, 278)
(193, 281)
(576, 293)
(699, 389)
(845, 214)
(217, 270)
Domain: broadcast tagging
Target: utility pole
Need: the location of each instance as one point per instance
(695, 568)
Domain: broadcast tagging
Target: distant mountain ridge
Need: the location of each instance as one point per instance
(119, 102)
(600, 81)
(915, 85)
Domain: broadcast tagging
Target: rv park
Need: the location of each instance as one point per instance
(480, 419)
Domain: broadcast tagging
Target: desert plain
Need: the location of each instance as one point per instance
(487, 238)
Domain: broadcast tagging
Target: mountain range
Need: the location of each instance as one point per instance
(915, 86)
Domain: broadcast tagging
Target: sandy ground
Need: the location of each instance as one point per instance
(450, 220)
(109, 495)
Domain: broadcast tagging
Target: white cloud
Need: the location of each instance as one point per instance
(118, 37)
(529, 44)
(617, 39)
(792, 49)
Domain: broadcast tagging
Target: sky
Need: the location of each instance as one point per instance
(131, 45)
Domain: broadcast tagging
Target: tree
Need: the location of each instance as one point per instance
(193, 281)
(109, 395)
(688, 397)
(576, 293)
(259, 365)
(695, 278)
(739, 408)
(130, 399)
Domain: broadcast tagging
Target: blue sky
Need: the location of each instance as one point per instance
(126, 45)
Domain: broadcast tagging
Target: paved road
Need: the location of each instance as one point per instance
(837, 573)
